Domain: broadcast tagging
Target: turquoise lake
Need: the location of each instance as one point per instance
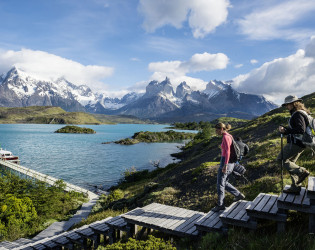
(82, 159)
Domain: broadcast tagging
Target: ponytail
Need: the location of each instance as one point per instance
(222, 125)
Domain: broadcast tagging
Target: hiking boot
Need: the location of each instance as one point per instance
(217, 208)
(292, 190)
(239, 197)
(303, 176)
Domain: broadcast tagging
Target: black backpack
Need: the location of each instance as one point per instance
(238, 150)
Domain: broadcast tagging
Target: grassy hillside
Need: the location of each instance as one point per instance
(56, 115)
(45, 115)
(192, 182)
(127, 119)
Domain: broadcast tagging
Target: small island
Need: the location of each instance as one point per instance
(150, 137)
(75, 130)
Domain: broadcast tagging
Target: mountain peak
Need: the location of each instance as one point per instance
(182, 90)
(163, 88)
(214, 87)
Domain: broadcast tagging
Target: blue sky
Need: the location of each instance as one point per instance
(115, 46)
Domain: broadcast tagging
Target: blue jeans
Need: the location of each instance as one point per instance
(223, 184)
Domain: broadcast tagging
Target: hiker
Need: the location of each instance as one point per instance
(294, 147)
(225, 168)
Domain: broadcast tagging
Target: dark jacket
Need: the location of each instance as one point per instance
(297, 126)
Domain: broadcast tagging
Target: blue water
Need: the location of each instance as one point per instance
(82, 159)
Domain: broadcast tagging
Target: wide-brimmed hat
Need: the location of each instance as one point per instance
(291, 99)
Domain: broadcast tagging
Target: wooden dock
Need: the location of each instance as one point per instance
(181, 222)
(43, 177)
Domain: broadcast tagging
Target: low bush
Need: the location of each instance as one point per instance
(152, 243)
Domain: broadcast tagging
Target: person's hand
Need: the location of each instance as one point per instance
(281, 129)
(224, 169)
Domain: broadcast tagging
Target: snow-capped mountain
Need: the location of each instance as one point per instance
(159, 102)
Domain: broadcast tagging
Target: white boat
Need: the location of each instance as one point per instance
(8, 156)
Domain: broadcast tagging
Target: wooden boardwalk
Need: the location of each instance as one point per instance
(181, 222)
(43, 177)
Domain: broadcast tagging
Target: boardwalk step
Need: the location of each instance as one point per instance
(265, 207)
(298, 202)
(236, 215)
(209, 222)
(167, 219)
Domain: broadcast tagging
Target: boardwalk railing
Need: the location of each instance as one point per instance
(43, 177)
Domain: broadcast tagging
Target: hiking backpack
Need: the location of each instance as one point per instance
(309, 136)
(238, 150)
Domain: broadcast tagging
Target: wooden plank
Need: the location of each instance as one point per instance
(50, 244)
(172, 214)
(274, 209)
(156, 217)
(262, 203)
(214, 223)
(239, 206)
(228, 210)
(242, 215)
(283, 195)
(273, 200)
(187, 223)
(191, 224)
(255, 201)
(290, 198)
(211, 217)
(306, 202)
(178, 222)
(299, 198)
(182, 215)
(87, 232)
(311, 186)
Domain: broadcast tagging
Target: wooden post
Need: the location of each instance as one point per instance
(119, 234)
(140, 234)
(97, 241)
(311, 223)
(280, 226)
(112, 236)
(131, 230)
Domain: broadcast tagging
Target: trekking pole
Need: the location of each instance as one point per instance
(282, 161)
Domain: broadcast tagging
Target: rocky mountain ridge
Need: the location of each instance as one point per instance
(159, 102)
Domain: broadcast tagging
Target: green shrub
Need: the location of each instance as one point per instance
(27, 207)
(75, 130)
(152, 243)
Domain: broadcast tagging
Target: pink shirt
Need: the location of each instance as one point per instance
(226, 146)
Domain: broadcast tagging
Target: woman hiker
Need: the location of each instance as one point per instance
(225, 168)
(294, 147)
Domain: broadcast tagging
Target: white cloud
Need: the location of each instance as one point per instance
(48, 67)
(237, 66)
(203, 15)
(277, 22)
(177, 70)
(197, 63)
(294, 74)
(253, 61)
